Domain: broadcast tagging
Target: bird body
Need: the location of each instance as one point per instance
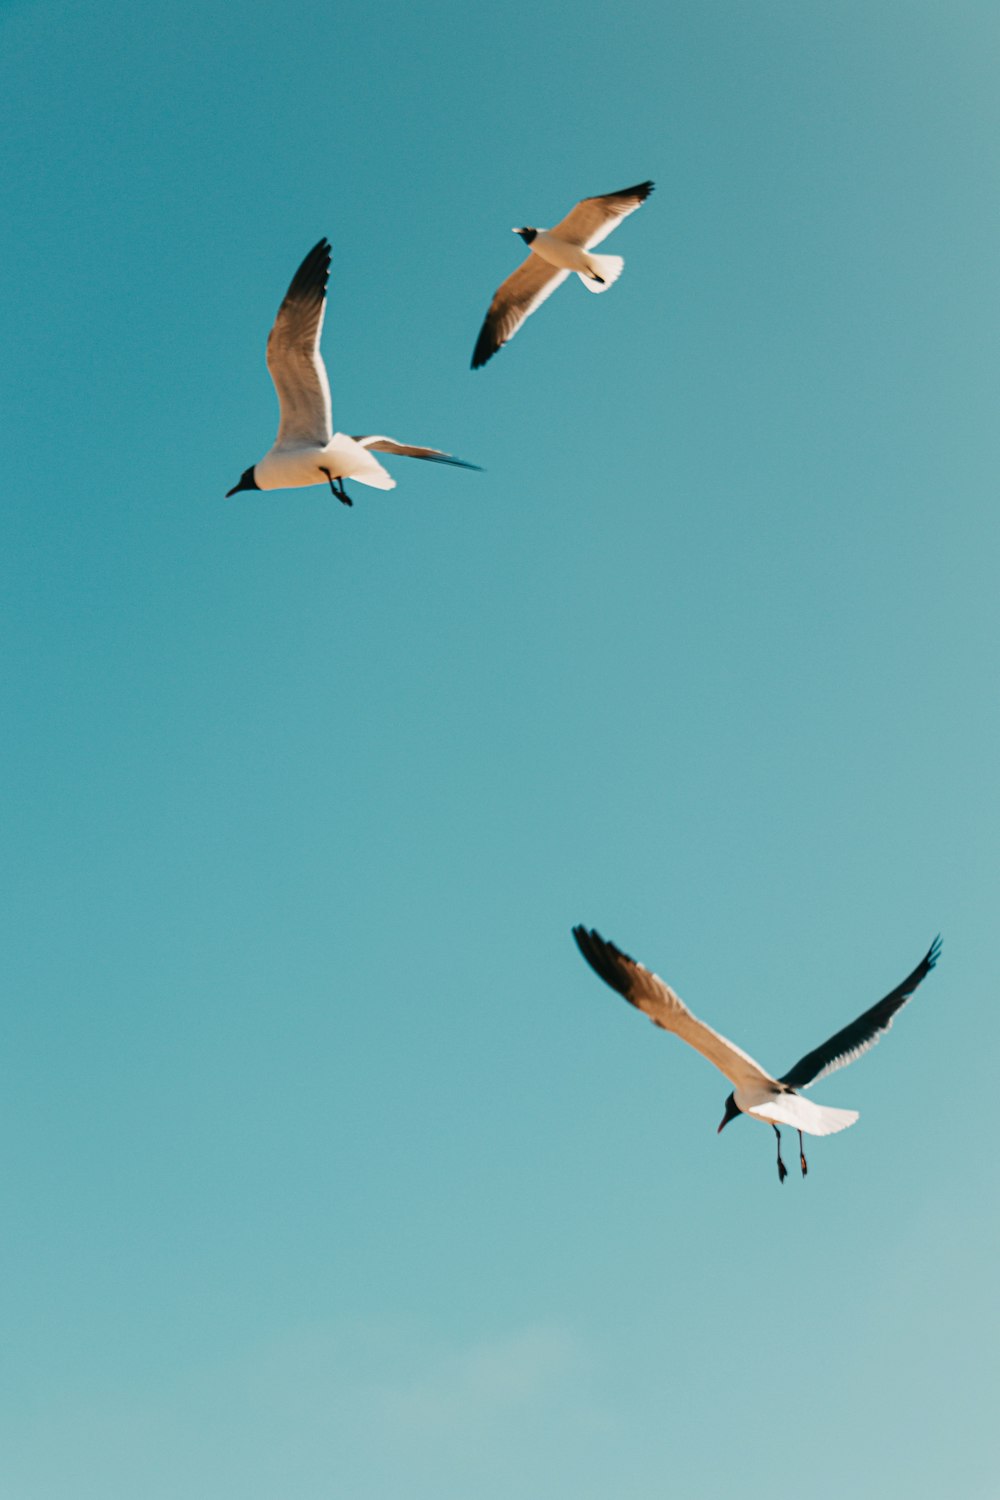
(553, 255)
(773, 1101)
(287, 467)
(307, 450)
(597, 272)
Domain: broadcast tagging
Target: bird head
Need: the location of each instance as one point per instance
(527, 235)
(247, 482)
(732, 1110)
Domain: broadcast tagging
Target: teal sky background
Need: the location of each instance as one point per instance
(328, 1168)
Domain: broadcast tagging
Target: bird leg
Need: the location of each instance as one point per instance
(802, 1156)
(782, 1169)
(338, 488)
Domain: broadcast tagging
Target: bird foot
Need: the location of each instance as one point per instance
(337, 488)
(802, 1164)
(782, 1171)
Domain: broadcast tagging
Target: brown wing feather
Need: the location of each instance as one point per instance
(514, 300)
(381, 444)
(648, 993)
(293, 356)
(592, 220)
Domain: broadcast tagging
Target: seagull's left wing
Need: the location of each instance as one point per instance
(648, 993)
(293, 356)
(381, 444)
(861, 1034)
(514, 300)
(592, 220)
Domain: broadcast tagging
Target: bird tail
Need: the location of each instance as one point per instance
(802, 1114)
(371, 472)
(827, 1120)
(355, 462)
(606, 267)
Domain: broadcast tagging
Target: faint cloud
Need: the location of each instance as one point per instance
(485, 1381)
(354, 1410)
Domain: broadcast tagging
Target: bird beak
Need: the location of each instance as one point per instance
(230, 493)
(725, 1122)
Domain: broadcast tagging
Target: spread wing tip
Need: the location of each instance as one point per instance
(922, 970)
(640, 191)
(855, 1039)
(450, 459)
(309, 281)
(609, 962)
(486, 347)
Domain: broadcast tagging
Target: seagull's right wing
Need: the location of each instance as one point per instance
(593, 219)
(514, 300)
(293, 356)
(850, 1042)
(381, 444)
(648, 993)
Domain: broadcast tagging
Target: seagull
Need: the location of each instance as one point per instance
(553, 255)
(307, 450)
(775, 1101)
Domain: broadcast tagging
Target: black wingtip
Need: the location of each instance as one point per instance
(484, 350)
(640, 190)
(455, 463)
(933, 953)
(311, 278)
(604, 958)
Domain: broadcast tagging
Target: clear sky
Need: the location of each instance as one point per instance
(328, 1168)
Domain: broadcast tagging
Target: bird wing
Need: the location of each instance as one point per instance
(293, 356)
(514, 300)
(381, 444)
(861, 1034)
(648, 993)
(593, 219)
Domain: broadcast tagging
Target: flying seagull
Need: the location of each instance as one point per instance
(554, 253)
(307, 450)
(776, 1101)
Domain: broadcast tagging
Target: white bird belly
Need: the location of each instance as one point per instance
(287, 468)
(561, 253)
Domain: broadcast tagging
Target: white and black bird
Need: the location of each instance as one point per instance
(307, 450)
(775, 1101)
(554, 254)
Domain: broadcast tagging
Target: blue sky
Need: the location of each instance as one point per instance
(328, 1167)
